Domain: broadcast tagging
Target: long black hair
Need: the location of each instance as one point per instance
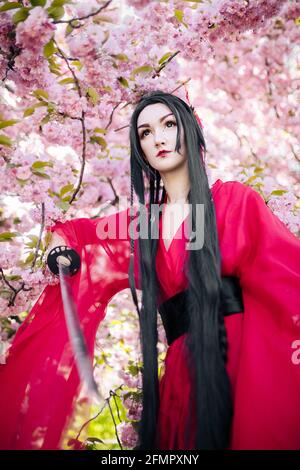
(206, 337)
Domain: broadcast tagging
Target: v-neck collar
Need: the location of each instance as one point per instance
(167, 251)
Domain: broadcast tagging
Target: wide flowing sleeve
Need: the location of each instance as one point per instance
(267, 400)
(40, 382)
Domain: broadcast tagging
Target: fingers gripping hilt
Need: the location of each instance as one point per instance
(67, 257)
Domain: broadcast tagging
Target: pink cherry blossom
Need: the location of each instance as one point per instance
(128, 435)
(35, 31)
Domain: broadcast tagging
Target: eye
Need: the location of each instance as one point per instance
(143, 133)
(172, 122)
(168, 122)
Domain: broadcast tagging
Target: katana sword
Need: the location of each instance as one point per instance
(65, 262)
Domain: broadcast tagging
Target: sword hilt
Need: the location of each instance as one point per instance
(66, 256)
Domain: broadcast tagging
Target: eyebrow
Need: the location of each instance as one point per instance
(161, 119)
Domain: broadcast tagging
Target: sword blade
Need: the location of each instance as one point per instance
(84, 365)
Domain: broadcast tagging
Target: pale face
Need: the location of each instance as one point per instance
(158, 134)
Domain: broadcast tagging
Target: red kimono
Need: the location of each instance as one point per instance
(40, 382)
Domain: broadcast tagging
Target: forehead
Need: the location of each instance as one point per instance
(152, 113)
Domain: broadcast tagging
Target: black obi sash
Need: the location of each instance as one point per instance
(174, 310)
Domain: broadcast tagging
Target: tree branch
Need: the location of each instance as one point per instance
(81, 119)
(40, 236)
(15, 291)
(83, 17)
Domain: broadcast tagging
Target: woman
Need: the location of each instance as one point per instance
(230, 381)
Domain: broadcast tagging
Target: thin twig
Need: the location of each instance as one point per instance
(69, 58)
(83, 17)
(267, 64)
(83, 157)
(157, 72)
(81, 119)
(114, 191)
(111, 116)
(96, 416)
(64, 57)
(15, 291)
(89, 420)
(114, 395)
(40, 236)
(294, 153)
(113, 418)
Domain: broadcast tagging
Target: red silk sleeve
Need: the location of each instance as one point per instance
(39, 381)
(267, 403)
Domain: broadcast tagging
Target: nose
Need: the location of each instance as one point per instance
(159, 138)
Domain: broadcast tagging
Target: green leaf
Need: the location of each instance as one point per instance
(56, 12)
(63, 205)
(51, 108)
(66, 189)
(77, 64)
(278, 192)
(66, 81)
(54, 66)
(179, 16)
(164, 57)
(14, 277)
(4, 140)
(34, 240)
(107, 88)
(38, 3)
(8, 123)
(10, 6)
(142, 69)
(20, 15)
(49, 49)
(251, 179)
(123, 82)
(29, 111)
(68, 30)
(45, 120)
(40, 174)
(41, 164)
(122, 57)
(99, 130)
(99, 140)
(29, 258)
(59, 3)
(258, 169)
(211, 165)
(93, 94)
(40, 94)
(47, 238)
(134, 370)
(95, 439)
(7, 236)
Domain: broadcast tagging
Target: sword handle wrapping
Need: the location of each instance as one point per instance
(66, 256)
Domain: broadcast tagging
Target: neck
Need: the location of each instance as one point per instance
(177, 184)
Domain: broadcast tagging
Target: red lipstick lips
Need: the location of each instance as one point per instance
(163, 153)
